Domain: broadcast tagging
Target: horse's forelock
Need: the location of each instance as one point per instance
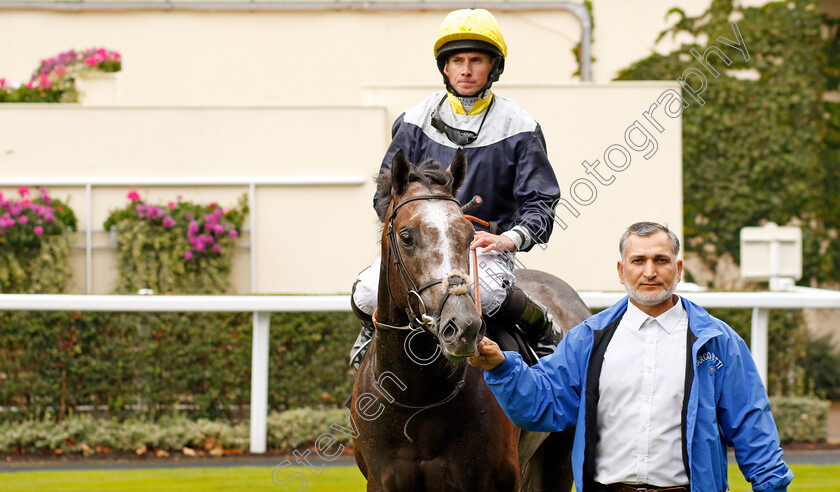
(427, 173)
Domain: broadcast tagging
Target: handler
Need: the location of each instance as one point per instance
(657, 387)
(507, 166)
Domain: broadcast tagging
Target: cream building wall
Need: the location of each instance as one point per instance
(313, 93)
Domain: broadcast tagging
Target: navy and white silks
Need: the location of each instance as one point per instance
(507, 165)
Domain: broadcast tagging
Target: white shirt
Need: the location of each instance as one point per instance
(641, 398)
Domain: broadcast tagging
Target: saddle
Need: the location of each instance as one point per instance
(510, 337)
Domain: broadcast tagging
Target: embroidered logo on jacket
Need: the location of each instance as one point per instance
(711, 358)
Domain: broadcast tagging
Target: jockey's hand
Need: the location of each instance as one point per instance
(492, 242)
(489, 355)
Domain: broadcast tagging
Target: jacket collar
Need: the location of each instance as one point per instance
(478, 107)
(700, 322)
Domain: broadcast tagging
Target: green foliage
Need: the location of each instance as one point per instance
(182, 247)
(55, 78)
(84, 433)
(759, 150)
(578, 48)
(24, 94)
(35, 236)
(801, 419)
(141, 364)
(309, 358)
(300, 427)
(786, 374)
(822, 367)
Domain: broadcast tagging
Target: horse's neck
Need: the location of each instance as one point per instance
(426, 382)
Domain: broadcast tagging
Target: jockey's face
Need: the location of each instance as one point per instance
(468, 71)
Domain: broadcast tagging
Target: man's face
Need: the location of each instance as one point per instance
(468, 72)
(649, 270)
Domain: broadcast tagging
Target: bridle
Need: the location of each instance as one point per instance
(419, 319)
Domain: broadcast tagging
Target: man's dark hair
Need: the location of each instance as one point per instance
(645, 229)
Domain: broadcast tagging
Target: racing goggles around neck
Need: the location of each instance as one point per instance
(456, 135)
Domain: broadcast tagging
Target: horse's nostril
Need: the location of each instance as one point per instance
(449, 332)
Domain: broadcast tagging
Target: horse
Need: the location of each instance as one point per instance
(425, 419)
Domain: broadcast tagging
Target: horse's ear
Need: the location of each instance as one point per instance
(400, 168)
(458, 168)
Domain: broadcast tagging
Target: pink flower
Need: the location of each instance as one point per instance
(219, 229)
(92, 61)
(25, 202)
(38, 230)
(44, 81)
(217, 247)
(134, 196)
(233, 233)
(188, 255)
(172, 205)
(23, 191)
(23, 219)
(60, 71)
(168, 222)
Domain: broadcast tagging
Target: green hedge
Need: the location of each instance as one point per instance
(134, 364)
(85, 434)
(801, 419)
(798, 420)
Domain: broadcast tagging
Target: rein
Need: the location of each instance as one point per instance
(422, 322)
(411, 288)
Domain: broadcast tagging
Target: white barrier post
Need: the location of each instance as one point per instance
(259, 381)
(758, 341)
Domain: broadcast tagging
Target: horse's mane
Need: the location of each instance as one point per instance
(427, 173)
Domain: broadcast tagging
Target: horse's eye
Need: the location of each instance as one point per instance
(406, 238)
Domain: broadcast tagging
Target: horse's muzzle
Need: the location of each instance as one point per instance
(459, 327)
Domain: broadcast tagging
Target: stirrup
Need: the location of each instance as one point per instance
(360, 355)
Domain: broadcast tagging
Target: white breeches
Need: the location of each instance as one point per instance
(495, 273)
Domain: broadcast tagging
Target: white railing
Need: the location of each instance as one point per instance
(262, 307)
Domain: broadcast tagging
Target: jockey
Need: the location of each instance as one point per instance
(507, 166)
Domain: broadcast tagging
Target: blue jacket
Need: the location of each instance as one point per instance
(507, 165)
(726, 405)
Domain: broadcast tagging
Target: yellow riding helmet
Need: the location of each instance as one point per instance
(471, 30)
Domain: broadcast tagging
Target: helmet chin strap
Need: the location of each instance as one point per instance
(479, 95)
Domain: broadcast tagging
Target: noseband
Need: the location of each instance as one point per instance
(421, 318)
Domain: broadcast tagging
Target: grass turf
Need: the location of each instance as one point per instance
(811, 478)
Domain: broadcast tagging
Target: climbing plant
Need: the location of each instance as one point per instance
(35, 235)
(764, 146)
(760, 149)
(181, 247)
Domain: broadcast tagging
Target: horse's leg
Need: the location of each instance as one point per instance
(551, 464)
